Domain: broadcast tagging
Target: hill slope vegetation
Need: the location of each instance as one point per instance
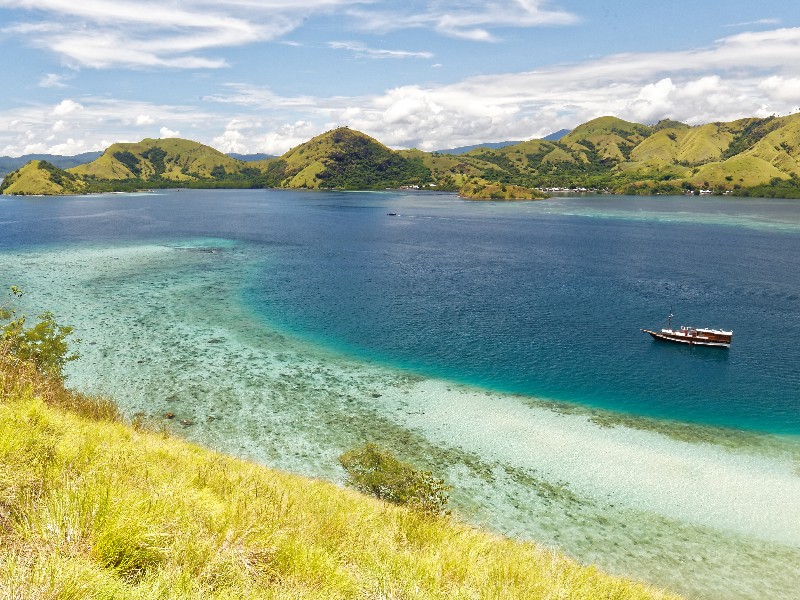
(93, 508)
(748, 157)
(342, 159)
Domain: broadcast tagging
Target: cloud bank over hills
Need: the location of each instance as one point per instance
(247, 76)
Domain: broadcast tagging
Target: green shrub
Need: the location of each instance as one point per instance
(43, 345)
(374, 471)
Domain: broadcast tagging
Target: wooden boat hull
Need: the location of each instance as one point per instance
(691, 340)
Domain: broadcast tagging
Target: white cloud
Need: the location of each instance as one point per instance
(53, 80)
(758, 22)
(165, 132)
(467, 19)
(69, 147)
(66, 107)
(147, 33)
(782, 88)
(288, 136)
(92, 124)
(236, 138)
(362, 51)
(231, 140)
(176, 34)
(747, 74)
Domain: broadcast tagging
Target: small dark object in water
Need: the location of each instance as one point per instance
(169, 415)
(392, 214)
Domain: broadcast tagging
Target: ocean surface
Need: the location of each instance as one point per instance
(544, 299)
(497, 344)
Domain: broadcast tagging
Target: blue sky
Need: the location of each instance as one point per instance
(266, 75)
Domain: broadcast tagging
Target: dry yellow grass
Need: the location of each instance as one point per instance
(31, 179)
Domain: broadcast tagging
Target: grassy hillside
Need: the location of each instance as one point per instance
(170, 159)
(609, 137)
(669, 157)
(748, 156)
(93, 508)
(343, 159)
(40, 177)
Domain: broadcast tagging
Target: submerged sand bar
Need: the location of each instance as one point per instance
(701, 484)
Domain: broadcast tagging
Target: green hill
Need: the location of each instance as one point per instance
(342, 159)
(39, 177)
(669, 157)
(93, 508)
(170, 159)
(12, 163)
(608, 137)
(748, 157)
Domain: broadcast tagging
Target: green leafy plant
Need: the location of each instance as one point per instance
(44, 344)
(375, 471)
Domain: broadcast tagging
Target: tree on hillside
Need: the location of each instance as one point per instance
(44, 344)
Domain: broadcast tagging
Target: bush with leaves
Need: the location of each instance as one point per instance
(375, 471)
(44, 344)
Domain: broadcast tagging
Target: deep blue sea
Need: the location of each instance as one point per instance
(541, 298)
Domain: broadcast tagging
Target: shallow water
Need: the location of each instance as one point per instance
(185, 311)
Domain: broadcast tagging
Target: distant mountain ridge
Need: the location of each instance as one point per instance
(11, 163)
(553, 137)
(556, 135)
(465, 149)
(752, 156)
(250, 157)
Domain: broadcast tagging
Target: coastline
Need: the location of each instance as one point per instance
(636, 502)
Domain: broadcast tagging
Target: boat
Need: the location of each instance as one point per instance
(694, 336)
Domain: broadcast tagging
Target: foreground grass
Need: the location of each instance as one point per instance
(93, 508)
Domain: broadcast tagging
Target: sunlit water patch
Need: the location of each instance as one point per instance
(774, 214)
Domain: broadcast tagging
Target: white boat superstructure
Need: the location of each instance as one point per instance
(695, 336)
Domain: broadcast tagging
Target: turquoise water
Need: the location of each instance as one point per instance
(288, 327)
(544, 299)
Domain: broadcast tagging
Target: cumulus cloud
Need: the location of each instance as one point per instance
(231, 140)
(166, 132)
(782, 88)
(287, 136)
(91, 124)
(69, 147)
(748, 74)
(66, 107)
(236, 137)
